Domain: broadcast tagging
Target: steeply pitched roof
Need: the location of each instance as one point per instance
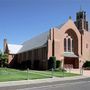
(13, 49)
(36, 42)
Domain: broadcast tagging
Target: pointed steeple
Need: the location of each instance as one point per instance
(80, 7)
(70, 17)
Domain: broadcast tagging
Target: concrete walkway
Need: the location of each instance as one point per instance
(78, 71)
(23, 82)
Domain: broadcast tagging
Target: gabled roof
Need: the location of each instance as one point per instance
(36, 42)
(13, 49)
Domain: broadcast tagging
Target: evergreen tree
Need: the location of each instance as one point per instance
(3, 59)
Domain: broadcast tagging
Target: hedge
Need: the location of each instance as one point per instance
(58, 64)
(86, 64)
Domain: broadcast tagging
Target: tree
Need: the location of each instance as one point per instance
(3, 59)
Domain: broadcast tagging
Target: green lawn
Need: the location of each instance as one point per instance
(7, 74)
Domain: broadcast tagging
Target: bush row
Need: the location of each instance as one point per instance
(53, 63)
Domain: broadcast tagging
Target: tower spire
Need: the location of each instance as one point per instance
(80, 7)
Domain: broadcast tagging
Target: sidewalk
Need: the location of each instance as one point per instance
(85, 72)
(37, 81)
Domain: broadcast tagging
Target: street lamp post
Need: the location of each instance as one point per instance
(63, 71)
(81, 68)
(62, 65)
(81, 71)
(27, 73)
(52, 72)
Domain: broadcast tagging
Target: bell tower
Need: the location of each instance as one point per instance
(81, 22)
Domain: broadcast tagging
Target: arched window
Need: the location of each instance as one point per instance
(74, 46)
(68, 44)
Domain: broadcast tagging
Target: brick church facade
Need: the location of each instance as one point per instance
(69, 43)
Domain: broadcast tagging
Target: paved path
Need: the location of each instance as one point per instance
(85, 72)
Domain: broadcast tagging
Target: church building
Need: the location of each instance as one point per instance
(69, 43)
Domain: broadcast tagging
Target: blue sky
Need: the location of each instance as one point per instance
(21, 20)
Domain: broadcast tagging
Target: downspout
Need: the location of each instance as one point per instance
(53, 54)
(82, 43)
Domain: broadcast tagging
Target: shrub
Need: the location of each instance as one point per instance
(52, 62)
(86, 64)
(58, 64)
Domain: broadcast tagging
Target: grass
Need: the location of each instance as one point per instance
(7, 74)
(55, 73)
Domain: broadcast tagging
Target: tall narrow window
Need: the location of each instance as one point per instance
(69, 45)
(64, 44)
(72, 45)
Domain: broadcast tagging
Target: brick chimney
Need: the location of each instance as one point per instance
(5, 48)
